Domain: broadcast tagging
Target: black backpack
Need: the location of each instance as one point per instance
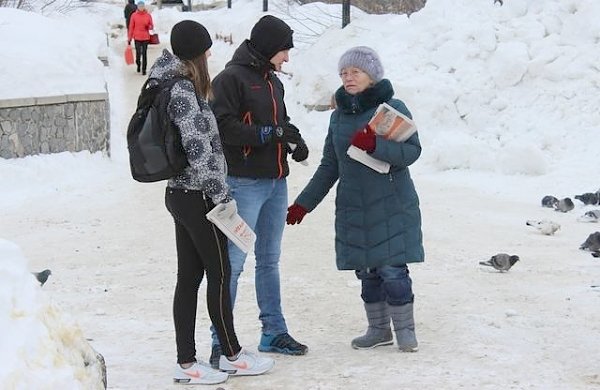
(154, 142)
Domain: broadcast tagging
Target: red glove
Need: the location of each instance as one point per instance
(364, 139)
(295, 214)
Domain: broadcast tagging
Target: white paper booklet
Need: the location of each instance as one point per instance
(391, 124)
(363, 157)
(235, 228)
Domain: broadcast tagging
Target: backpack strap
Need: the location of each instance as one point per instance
(170, 82)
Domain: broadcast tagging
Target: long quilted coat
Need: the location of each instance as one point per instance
(377, 216)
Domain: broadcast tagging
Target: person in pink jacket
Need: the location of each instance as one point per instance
(139, 30)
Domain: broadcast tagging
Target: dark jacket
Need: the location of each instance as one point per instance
(199, 135)
(377, 216)
(248, 94)
(129, 9)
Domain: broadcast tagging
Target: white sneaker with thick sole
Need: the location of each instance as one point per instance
(247, 363)
(199, 373)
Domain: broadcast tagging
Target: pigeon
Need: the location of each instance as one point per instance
(501, 2)
(564, 205)
(549, 201)
(42, 277)
(590, 216)
(592, 244)
(501, 261)
(588, 198)
(544, 226)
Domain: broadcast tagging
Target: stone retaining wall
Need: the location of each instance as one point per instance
(54, 124)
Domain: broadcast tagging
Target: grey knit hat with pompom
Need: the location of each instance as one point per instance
(364, 58)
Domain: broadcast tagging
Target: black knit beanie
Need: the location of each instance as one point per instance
(189, 39)
(270, 35)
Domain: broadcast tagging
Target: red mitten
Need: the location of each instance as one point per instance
(364, 139)
(295, 214)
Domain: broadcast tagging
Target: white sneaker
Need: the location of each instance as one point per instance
(247, 363)
(198, 373)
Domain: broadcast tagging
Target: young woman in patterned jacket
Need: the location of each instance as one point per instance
(201, 247)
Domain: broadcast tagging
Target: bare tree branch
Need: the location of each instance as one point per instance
(44, 7)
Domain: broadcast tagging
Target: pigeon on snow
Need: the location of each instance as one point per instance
(588, 198)
(564, 205)
(42, 276)
(549, 201)
(544, 226)
(590, 216)
(501, 261)
(592, 244)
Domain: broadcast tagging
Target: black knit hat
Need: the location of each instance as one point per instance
(189, 39)
(270, 35)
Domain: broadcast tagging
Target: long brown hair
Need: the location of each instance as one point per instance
(197, 70)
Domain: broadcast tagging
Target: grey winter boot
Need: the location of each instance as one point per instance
(404, 327)
(379, 331)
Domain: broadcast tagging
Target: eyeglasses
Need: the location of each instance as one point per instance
(351, 73)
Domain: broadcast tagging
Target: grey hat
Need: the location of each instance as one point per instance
(364, 58)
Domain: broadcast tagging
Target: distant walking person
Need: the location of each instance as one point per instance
(130, 8)
(377, 216)
(201, 187)
(256, 133)
(139, 30)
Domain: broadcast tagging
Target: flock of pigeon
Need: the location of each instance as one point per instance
(592, 243)
(503, 261)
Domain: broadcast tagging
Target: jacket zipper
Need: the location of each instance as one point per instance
(246, 149)
(279, 149)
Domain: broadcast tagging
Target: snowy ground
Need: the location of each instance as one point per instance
(110, 244)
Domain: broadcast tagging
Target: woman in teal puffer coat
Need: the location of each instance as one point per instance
(378, 220)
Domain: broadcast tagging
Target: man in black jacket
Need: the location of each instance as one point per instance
(257, 136)
(129, 9)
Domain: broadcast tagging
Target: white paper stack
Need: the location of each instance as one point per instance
(390, 124)
(235, 228)
(363, 157)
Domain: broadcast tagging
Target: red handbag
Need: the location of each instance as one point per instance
(128, 55)
(154, 39)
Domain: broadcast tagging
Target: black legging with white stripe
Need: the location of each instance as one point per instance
(201, 247)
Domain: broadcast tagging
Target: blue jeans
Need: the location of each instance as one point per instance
(388, 283)
(262, 203)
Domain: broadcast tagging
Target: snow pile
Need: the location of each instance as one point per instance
(510, 89)
(43, 346)
(46, 57)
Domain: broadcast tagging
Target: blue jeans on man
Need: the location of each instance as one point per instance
(262, 203)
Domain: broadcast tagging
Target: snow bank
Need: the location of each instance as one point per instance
(46, 57)
(39, 346)
(510, 89)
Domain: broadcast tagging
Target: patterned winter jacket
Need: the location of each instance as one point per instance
(199, 135)
(377, 216)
